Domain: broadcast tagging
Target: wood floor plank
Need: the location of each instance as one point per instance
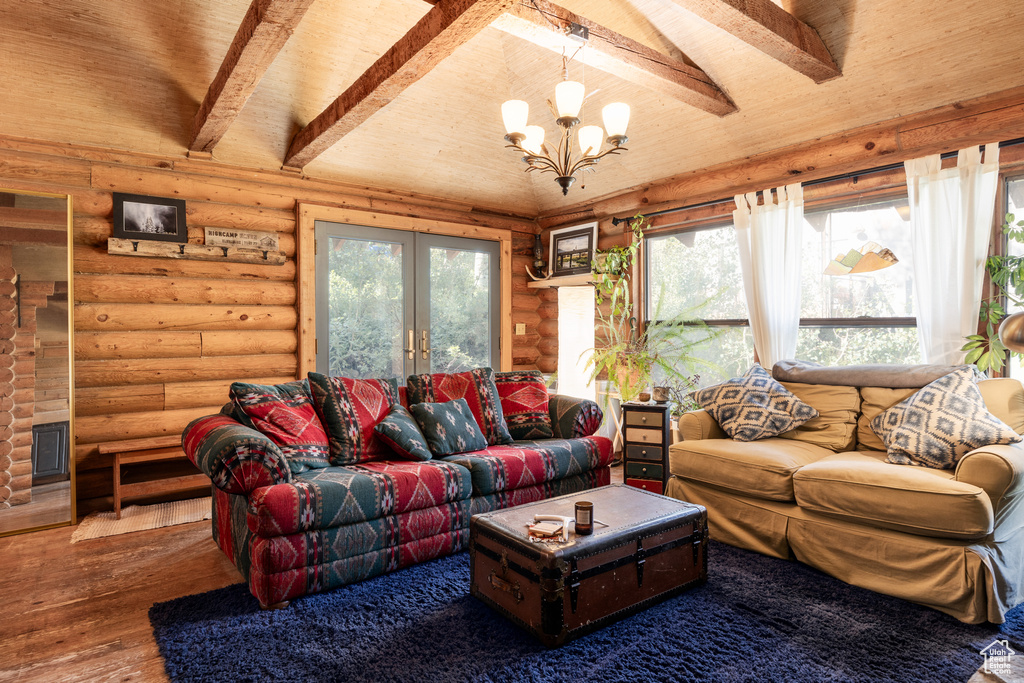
(83, 608)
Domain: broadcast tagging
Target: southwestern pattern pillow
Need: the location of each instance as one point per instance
(400, 431)
(941, 423)
(450, 427)
(476, 386)
(350, 409)
(285, 414)
(754, 406)
(524, 403)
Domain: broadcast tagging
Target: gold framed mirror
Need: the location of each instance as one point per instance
(37, 459)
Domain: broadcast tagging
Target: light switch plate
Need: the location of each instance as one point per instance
(520, 329)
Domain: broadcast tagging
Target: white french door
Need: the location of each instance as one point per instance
(390, 303)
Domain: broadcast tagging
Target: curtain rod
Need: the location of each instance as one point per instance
(820, 181)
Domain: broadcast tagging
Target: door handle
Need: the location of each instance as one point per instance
(423, 344)
(411, 348)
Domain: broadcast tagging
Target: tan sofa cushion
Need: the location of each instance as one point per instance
(835, 428)
(875, 400)
(1004, 398)
(763, 469)
(861, 486)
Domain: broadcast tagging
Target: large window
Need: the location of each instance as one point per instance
(859, 317)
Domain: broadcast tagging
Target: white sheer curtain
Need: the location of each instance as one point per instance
(951, 222)
(769, 241)
(576, 310)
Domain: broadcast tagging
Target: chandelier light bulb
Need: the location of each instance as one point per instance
(534, 139)
(569, 99)
(616, 118)
(590, 138)
(515, 113)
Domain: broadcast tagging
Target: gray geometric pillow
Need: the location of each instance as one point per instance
(449, 427)
(754, 406)
(941, 423)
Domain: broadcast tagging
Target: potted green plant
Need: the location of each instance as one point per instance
(627, 355)
(1007, 274)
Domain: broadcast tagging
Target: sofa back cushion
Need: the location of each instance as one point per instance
(284, 413)
(476, 386)
(1004, 398)
(349, 410)
(524, 403)
(835, 428)
(875, 400)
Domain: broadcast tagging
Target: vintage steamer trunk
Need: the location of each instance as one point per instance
(654, 548)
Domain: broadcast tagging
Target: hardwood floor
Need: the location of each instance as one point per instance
(79, 612)
(51, 504)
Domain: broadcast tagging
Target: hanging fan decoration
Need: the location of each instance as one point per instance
(871, 257)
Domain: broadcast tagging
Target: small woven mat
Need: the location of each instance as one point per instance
(142, 517)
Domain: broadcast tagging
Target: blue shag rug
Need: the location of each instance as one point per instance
(757, 619)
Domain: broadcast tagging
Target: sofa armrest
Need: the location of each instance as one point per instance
(573, 417)
(998, 470)
(236, 458)
(698, 424)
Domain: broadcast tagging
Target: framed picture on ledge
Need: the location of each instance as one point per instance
(138, 217)
(572, 249)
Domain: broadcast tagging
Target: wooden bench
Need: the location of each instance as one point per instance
(142, 451)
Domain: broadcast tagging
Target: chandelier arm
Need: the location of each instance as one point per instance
(588, 161)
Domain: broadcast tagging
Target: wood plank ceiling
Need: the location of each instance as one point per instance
(405, 94)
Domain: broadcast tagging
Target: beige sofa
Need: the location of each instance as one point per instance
(824, 495)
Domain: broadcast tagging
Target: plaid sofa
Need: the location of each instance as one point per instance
(292, 529)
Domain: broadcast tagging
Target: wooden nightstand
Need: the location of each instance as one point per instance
(646, 440)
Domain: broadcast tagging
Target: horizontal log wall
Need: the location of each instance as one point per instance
(158, 341)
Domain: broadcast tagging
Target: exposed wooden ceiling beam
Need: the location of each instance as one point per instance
(546, 24)
(772, 30)
(265, 29)
(440, 32)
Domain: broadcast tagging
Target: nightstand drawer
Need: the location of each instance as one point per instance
(634, 452)
(637, 435)
(643, 469)
(646, 484)
(641, 418)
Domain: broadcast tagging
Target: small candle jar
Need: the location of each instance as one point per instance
(584, 518)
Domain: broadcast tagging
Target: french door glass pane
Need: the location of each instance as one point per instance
(460, 309)
(366, 308)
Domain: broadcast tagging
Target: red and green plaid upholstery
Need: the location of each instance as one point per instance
(524, 403)
(574, 417)
(324, 546)
(236, 458)
(335, 496)
(530, 494)
(476, 386)
(285, 414)
(349, 409)
(528, 463)
(449, 427)
(402, 435)
(294, 583)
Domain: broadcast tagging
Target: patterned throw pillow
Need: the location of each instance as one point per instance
(350, 409)
(754, 406)
(941, 423)
(400, 431)
(476, 386)
(524, 403)
(450, 427)
(285, 414)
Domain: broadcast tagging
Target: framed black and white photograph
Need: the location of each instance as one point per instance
(138, 217)
(572, 249)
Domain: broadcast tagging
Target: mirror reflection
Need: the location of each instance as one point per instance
(36, 468)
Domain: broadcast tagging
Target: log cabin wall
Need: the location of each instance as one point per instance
(158, 341)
